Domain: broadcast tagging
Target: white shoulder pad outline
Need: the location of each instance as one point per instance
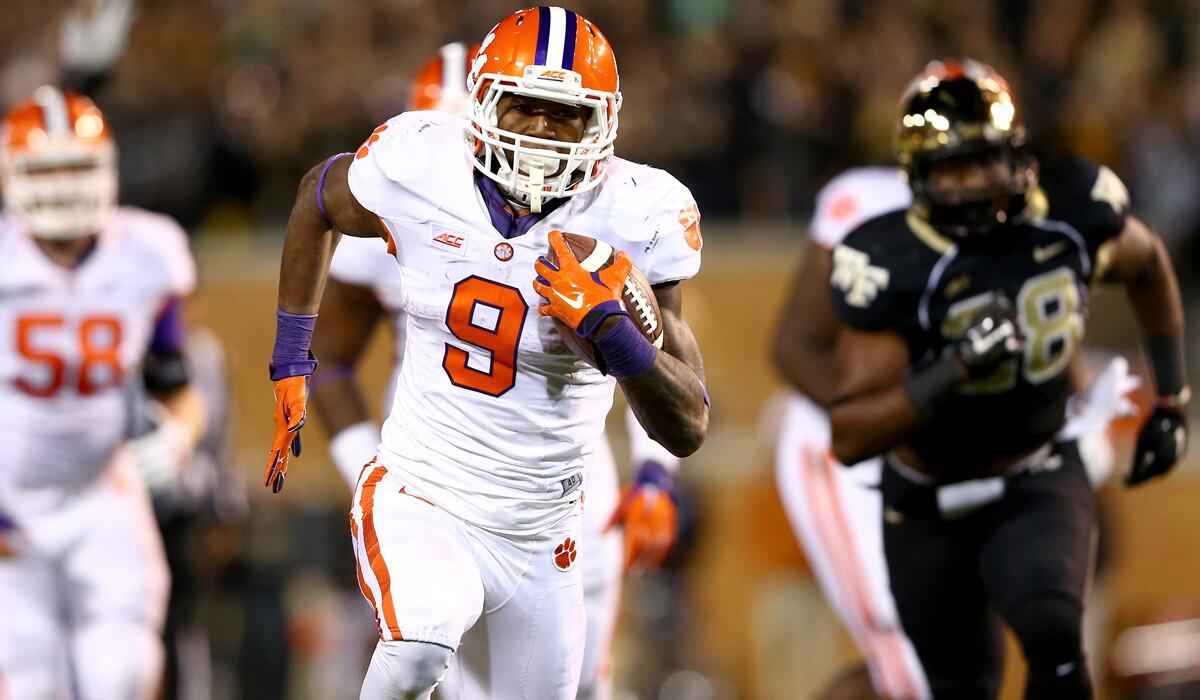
(854, 197)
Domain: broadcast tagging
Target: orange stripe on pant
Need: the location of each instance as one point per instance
(842, 554)
(887, 644)
(370, 540)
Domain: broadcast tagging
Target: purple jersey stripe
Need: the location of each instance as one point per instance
(568, 61)
(543, 41)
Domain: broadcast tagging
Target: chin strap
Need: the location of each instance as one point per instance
(537, 178)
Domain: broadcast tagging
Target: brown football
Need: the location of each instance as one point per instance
(637, 296)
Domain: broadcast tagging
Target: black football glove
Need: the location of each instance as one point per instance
(1160, 445)
(993, 337)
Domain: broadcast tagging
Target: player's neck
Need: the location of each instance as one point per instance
(69, 253)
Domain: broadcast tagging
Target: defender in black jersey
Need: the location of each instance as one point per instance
(960, 318)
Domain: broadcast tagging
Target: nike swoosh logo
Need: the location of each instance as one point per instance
(1041, 255)
(575, 302)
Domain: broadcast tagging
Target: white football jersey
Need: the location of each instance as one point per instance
(854, 197)
(69, 338)
(493, 415)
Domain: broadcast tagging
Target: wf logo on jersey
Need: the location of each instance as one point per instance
(564, 555)
(854, 274)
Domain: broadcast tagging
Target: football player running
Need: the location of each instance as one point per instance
(469, 515)
(960, 319)
(835, 511)
(89, 293)
(364, 288)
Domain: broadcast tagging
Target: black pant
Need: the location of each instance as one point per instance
(1024, 558)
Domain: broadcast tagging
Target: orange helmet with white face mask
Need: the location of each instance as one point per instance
(552, 54)
(59, 165)
(441, 84)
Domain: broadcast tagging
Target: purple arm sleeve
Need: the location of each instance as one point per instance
(168, 330)
(321, 185)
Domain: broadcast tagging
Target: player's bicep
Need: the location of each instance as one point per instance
(678, 339)
(340, 207)
(808, 319)
(1125, 258)
(347, 318)
(868, 362)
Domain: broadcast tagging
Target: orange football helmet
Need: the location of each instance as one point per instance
(441, 84)
(552, 54)
(58, 165)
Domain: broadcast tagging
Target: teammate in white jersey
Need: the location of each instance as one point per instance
(364, 288)
(836, 511)
(89, 294)
(470, 513)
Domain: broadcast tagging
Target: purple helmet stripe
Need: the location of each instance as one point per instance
(568, 61)
(543, 40)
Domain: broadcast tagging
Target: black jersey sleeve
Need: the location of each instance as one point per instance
(877, 274)
(1088, 196)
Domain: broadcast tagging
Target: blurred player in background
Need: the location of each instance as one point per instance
(364, 287)
(960, 318)
(470, 513)
(836, 510)
(90, 294)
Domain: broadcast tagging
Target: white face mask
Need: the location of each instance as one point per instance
(62, 191)
(531, 170)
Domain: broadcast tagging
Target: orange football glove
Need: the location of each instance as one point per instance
(291, 398)
(579, 298)
(649, 517)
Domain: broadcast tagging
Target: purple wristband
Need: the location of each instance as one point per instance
(625, 350)
(321, 185)
(293, 335)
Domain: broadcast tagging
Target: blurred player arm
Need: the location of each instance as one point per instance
(177, 409)
(669, 399)
(349, 314)
(166, 375)
(1138, 259)
(871, 411)
(804, 342)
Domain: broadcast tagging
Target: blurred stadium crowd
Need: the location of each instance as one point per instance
(221, 105)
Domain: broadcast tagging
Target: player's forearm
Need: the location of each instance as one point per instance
(669, 401)
(869, 425)
(307, 248)
(1158, 306)
(806, 369)
(186, 405)
(337, 399)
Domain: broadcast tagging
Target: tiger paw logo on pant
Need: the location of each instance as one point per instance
(564, 555)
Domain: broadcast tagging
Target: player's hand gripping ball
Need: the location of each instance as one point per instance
(588, 286)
